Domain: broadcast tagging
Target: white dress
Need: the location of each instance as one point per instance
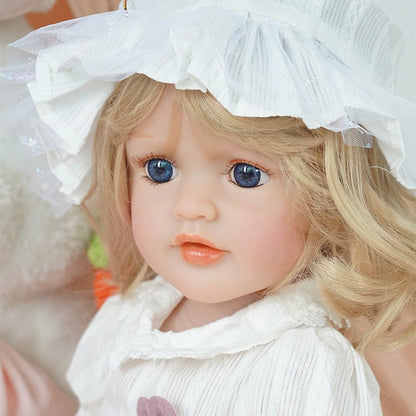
(279, 356)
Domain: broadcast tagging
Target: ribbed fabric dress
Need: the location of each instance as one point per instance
(278, 356)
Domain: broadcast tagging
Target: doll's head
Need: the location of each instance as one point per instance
(343, 212)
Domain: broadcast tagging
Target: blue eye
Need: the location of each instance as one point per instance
(160, 170)
(248, 176)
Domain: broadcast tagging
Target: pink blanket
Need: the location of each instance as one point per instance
(26, 390)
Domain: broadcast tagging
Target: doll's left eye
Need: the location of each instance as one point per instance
(248, 176)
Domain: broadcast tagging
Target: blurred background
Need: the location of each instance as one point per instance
(67, 9)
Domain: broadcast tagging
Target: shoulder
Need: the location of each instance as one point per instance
(90, 361)
(316, 371)
(109, 333)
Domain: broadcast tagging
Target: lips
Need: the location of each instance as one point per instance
(197, 250)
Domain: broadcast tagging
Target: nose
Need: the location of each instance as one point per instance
(196, 202)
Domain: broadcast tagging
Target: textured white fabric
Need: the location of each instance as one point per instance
(323, 61)
(279, 356)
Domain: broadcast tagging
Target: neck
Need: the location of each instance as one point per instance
(192, 314)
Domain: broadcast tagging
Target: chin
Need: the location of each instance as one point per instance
(207, 297)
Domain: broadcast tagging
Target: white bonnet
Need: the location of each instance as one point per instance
(329, 62)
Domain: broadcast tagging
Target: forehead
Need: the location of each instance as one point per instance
(174, 108)
(170, 129)
(198, 113)
(165, 118)
(168, 122)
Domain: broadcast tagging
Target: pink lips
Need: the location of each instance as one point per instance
(197, 250)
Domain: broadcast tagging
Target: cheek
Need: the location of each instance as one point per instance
(145, 219)
(273, 243)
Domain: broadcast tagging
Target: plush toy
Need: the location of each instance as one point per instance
(46, 294)
(46, 288)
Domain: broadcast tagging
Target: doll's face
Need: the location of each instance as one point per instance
(208, 215)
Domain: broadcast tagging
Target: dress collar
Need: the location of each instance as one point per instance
(143, 312)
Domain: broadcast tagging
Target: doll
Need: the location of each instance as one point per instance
(253, 187)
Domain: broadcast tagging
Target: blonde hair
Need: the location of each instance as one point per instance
(361, 242)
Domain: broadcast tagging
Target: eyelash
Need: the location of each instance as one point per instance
(227, 170)
(140, 162)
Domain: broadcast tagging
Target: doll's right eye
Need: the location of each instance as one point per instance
(160, 170)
